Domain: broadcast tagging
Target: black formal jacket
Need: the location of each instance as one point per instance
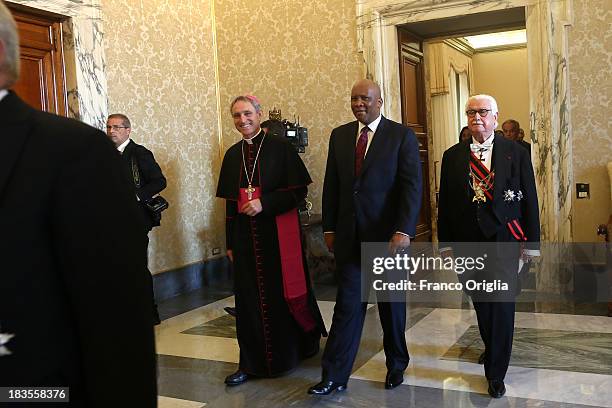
(383, 199)
(74, 290)
(526, 146)
(513, 171)
(152, 180)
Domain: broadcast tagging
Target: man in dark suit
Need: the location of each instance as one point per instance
(144, 172)
(371, 193)
(512, 131)
(488, 195)
(74, 298)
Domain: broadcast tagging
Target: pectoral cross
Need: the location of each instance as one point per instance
(249, 190)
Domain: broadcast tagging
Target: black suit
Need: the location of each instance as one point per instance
(370, 207)
(460, 219)
(74, 288)
(525, 145)
(152, 179)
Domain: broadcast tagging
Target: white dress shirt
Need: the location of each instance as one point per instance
(487, 155)
(372, 126)
(3, 93)
(122, 146)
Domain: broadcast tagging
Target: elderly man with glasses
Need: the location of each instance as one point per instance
(488, 196)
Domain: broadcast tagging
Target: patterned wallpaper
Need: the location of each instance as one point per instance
(590, 46)
(298, 56)
(160, 72)
(160, 68)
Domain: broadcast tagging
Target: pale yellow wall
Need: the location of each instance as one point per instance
(160, 71)
(591, 89)
(503, 75)
(298, 56)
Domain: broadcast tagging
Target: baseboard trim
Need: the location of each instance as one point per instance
(190, 277)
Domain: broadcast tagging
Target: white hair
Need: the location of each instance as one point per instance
(10, 39)
(492, 102)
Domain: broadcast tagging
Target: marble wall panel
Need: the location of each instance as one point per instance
(84, 56)
(160, 69)
(298, 56)
(590, 56)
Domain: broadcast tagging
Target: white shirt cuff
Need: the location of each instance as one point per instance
(531, 252)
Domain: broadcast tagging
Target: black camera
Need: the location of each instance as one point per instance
(297, 135)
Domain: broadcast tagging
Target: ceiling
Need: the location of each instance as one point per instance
(470, 24)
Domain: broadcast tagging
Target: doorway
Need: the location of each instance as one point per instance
(42, 82)
(458, 63)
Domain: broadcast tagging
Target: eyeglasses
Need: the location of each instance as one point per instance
(115, 127)
(482, 112)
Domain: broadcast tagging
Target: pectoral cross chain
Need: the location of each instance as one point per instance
(250, 189)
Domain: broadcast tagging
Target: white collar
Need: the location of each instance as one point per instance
(3, 93)
(372, 126)
(122, 146)
(487, 142)
(250, 140)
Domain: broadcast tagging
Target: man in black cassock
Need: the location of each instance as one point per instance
(263, 181)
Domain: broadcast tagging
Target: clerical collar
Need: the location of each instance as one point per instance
(3, 93)
(487, 142)
(251, 140)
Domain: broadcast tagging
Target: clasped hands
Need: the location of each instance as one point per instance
(252, 207)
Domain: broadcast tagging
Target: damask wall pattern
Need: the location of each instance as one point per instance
(590, 46)
(298, 56)
(160, 72)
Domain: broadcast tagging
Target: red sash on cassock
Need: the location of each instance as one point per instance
(292, 265)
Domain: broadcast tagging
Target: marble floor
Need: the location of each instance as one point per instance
(559, 359)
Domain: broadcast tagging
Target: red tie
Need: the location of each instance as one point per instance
(360, 149)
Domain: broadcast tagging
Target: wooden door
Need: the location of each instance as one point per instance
(414, 116)
(41, 81)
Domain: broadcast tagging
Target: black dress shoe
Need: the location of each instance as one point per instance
(326, 388)
(482, 358)
(497, 389)
(230, 311)
(237, 378)
(393, 379)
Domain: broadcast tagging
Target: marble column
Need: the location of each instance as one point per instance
(550, 130)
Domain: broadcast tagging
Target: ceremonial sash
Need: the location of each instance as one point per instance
(482, 175)
(292, 263)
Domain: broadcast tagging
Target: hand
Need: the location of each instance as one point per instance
(329, 240)
(252, 208)
(230, 255)
(399, 243)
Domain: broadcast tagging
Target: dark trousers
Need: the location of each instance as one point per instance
(155, 317)
(496, 325)
(347, 325)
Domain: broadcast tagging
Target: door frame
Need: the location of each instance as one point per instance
(547, 22)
